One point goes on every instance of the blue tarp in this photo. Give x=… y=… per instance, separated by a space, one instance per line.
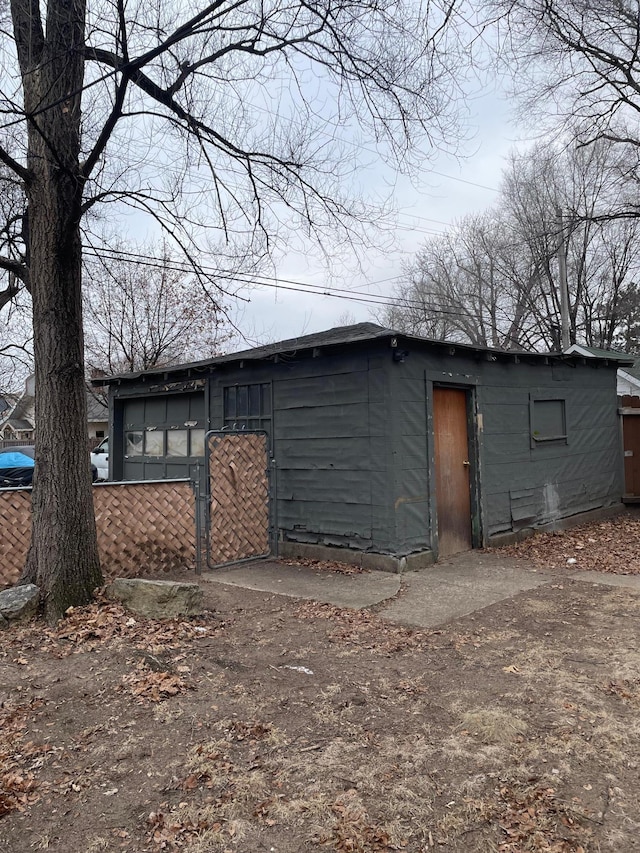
x=15 y=459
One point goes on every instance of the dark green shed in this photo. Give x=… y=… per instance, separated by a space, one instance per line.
x=392 y=446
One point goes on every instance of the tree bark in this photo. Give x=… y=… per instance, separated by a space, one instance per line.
x=63 y=558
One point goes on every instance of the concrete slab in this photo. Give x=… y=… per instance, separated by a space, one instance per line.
x=449 y=589
x=627 y=581
x=458 y=587
x=454 y=587
x=357 y=591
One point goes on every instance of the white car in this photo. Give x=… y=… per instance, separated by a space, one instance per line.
x=100 y=458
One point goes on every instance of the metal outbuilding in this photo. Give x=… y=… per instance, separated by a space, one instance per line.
x=384 y=448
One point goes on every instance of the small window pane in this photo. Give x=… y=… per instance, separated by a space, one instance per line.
x=133 y=442
x=265 y=392
x=247 y=406
x=197 y=442
x=154 y=443
x=177 y=442
x=254 y=401
x=242 y=403
x=229 y=402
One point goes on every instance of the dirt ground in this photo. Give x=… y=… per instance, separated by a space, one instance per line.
x=276 y=725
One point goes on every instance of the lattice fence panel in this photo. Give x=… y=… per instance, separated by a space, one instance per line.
x=143 y=528
x=239 y=511
x=15 y=532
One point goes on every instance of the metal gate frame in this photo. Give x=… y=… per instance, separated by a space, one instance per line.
x=261 y=478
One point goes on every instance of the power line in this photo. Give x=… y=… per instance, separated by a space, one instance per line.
x=138 y=258
x=185 y=267
x=291 y=285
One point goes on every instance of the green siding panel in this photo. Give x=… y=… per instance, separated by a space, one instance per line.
x=351 y=439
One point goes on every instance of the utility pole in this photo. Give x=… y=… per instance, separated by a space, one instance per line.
x=564 y=286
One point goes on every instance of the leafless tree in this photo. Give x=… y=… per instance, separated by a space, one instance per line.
x=146 y=312
x=578 y=64
x=471 y=285
x=16 y=344
x=494 y=280
x=15 y=364
x=448 y=294
x=223 y=114
x=627 y=336
x=558 y=198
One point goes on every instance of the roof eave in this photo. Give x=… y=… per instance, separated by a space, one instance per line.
x=314 y=343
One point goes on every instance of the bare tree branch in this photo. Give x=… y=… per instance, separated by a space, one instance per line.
x=12 y=164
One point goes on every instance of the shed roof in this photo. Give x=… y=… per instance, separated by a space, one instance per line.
x=342 y=336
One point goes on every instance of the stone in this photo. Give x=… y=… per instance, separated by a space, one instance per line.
x=19 y=602
x=157 y=599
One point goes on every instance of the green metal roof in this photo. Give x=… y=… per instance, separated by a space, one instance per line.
x=608 y=353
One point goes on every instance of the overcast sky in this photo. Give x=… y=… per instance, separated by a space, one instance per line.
x=448 y=189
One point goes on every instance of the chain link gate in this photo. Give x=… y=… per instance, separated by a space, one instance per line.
x=236 y=501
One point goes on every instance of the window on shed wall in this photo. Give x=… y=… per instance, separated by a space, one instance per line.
x=196 y=442
x=154 y=443
x=177 y=442
x=247 y=406
x=548 y=421
x=173 y=443
x=183 y=442
x=133 y=443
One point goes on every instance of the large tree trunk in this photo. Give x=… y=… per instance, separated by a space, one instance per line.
x=63 y=558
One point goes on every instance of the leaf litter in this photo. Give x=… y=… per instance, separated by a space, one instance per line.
x=610 y=546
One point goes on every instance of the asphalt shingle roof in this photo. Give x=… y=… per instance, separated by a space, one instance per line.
x=341 y=335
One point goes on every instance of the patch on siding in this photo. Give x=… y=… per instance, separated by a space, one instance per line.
x=551 y=502
x=539 y=505
x=525 y=507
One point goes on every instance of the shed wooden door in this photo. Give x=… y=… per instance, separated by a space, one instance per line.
x=453 y=495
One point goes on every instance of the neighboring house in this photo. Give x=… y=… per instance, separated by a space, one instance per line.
x=385 y=443
x=17 y=415
x=17 y=422
x=629 y=380
x=7 y=402
x=97 y=417
x=628 y=375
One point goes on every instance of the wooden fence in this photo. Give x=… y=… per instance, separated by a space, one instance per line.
x=8 y=443
x=143 y=528
x=630 y=411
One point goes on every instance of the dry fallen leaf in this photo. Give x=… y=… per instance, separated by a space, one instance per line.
x=611 y=547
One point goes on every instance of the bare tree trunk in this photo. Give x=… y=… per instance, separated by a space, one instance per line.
x=63 y=558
